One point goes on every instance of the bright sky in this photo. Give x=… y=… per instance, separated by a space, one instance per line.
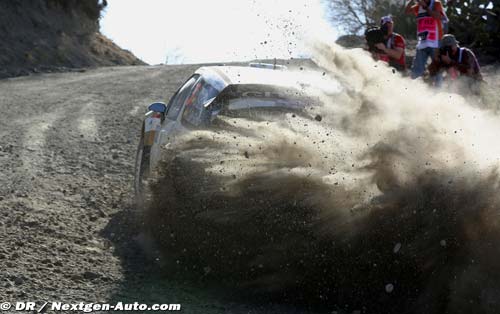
x=196 y=31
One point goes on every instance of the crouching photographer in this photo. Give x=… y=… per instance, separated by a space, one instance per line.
x=455 y=60
x=385 y=45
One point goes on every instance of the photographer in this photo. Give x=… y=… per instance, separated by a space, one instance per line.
x=429 y=15
x=393 y=50
x=388 y=46
x=455 y=60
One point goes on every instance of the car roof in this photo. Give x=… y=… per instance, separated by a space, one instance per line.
x=222 y=76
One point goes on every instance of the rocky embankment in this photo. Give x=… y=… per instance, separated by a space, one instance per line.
x=55 y=35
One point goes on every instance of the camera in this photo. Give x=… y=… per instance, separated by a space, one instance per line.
x=445 y=51
x=375 y=35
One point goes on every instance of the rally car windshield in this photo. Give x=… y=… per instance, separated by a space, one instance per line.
x=260 y=100
x=263 y=109
x=254 y=103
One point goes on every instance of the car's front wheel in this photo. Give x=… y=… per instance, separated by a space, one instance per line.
x=141 y=175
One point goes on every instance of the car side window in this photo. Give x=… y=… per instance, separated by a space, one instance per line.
x=180 y=97
x=194 y=105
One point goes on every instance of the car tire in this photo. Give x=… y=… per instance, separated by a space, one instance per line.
x=141 y=175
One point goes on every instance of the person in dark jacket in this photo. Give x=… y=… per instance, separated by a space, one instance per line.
x=455 y=60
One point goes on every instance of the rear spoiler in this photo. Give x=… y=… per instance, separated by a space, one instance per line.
x=267 y=66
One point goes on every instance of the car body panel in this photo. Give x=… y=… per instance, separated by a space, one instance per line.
x=152 y=124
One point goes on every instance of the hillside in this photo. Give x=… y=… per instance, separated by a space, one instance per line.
x=55 y=35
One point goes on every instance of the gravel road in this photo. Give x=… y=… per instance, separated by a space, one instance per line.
x=67 y=150
x=67 y=232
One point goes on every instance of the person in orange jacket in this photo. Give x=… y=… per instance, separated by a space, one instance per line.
x=429 y=16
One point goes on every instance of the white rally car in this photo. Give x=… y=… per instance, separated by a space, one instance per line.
x=209 y=92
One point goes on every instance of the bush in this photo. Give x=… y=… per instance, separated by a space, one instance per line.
x=476 y=24
x=91 y=8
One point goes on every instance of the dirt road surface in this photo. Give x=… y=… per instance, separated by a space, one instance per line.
x=67 y=150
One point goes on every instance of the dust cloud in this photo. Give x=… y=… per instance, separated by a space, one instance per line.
x=387 y=204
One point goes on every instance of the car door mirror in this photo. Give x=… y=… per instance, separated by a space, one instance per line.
x=158 y=107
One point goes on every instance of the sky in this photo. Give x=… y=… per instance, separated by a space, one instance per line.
x=198 y=31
